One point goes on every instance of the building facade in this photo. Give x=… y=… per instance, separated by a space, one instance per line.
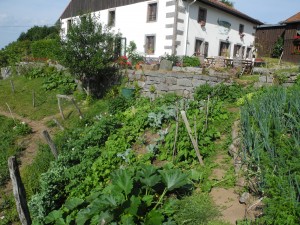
x=159 y=27
x=288 y=30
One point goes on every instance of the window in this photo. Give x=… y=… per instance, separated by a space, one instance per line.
x=206 y=49
x=111 y=18
x=224 y=48
x=150 y=44
x=202 y=15
x=152 y=11
x=243 y=51
x=198 y=48
x=241 y=29
x=69 y=24
x=236 y=51
x=248 y=53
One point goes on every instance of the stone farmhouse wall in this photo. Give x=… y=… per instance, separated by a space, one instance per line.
x=183 y=84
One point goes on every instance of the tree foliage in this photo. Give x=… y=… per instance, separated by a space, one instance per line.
x=88 y=49
x=38 y=33
x=227 y=2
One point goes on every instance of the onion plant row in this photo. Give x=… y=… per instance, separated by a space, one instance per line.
x=270 y=125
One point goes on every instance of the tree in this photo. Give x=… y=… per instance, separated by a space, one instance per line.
x=227 y=2
x=38 y=33
x=278 y=47
x=88 y=51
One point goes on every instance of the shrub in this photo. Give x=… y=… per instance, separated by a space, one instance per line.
x=191 y=61
x=48 y=48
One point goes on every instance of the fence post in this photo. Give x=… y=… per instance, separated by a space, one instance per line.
x=19 y=191
x=50 y=143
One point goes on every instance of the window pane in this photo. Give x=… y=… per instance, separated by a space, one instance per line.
x=202 y=15
x=241 y=29
x=111 y=18
x=150 y=44
x=152 y=9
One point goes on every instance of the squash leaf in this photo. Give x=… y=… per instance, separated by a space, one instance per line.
x=147 y=175
x=73 y=202
x=173 y=178
x=154 y=217
x=122 y=180
x=135 y=202
x=53 y=216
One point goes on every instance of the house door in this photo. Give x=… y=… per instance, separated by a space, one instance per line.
x=224 y=48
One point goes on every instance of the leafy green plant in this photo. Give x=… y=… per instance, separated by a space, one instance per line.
x=173 y=58
x=190 y=61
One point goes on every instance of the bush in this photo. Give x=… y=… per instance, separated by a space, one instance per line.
x=190 y=61
x=173 y=58
x=119 y=103
x=48 y=48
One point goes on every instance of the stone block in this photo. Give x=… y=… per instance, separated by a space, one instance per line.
x=171 y=80
x=165 y=65
x=151 y=67
x=184 y=82
x=162 y=87
x=198 y=82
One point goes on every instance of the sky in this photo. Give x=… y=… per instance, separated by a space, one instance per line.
x=17 y=16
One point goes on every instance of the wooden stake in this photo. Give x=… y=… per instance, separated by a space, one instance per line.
x=58 y=124
x=60 y=108
x=78 y=109
x=50 y=143
x=183 y=114
x=33 y=99
x=207 y=110
x=70 y=99
x=176 y=131
x=12 y=86
x=19 y=191
x=12 y=116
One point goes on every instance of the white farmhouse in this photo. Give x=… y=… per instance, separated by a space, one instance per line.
x=181 y=27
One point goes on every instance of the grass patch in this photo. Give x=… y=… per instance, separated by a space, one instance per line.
x=21 y=101
x=196 y=209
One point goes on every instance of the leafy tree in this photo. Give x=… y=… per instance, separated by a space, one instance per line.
x=278 y=48
x=227 y=2
x=38 y=33
x=88 y=51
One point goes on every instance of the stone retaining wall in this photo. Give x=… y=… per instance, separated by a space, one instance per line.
x=183 y=84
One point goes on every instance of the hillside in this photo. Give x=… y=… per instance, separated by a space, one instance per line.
x=135 y=160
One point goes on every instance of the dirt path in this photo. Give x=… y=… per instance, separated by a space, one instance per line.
x=30 y=142
x=226 y=198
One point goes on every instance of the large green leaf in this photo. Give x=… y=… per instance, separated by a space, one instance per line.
x=147 y=175
x=104 y=217
x=53 y=216
x=173 y=178
x=73 y=202
x=127 y=220
x=83 y=216
x=135 y=202
x=148 y=199
x=122 y=179
x=154 y=217
x=112 y=201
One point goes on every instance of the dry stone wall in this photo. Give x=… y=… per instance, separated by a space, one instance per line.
x=183 y=84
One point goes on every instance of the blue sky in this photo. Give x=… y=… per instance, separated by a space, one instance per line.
x=17 y=16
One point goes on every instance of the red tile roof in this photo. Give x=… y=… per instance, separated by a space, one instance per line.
x=294 y=19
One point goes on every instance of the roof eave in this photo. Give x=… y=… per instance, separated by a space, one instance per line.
x=241 y=15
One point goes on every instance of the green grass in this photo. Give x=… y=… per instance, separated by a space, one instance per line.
x=21 y=102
